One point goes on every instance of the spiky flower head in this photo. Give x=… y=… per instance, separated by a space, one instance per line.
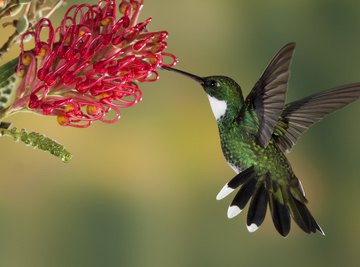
x=89 y=67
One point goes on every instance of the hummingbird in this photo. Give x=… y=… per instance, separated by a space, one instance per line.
x=257 y=132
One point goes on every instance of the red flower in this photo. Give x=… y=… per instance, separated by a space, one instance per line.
x=91 y=64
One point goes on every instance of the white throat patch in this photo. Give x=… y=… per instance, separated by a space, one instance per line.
x=218 y=107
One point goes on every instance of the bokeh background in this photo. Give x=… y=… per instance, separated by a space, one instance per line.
x=141 y=192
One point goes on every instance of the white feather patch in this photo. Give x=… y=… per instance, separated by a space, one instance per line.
x=252 y=227
x=235 y=169
x=321 y=230
x=233 y=211
x=218 y=107
x=302 y=188
x=226 y=190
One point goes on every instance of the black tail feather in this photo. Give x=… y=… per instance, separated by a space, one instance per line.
x=258 y=206
x=243 y=196
x=280 y=216
x=286 y=199
x=304 y=219
x=242 y=177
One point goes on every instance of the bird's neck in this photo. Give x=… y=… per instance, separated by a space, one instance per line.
x=225 y=111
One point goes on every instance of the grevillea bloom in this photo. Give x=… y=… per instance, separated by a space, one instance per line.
x=89 y=67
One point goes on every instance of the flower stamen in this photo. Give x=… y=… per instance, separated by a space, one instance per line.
x=91 y=64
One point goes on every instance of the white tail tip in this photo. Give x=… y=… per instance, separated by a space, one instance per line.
x=224 y=192
x=233 y=211
x=252 y=227
x=321 y=230
x=302 y=188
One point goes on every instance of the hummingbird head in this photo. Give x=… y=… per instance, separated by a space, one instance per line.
x=223 y=92
x=221 y=87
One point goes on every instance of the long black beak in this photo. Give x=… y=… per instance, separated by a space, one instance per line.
x=187 y=74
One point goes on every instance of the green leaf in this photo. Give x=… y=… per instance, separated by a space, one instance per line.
x=8 y=83
x=38 y=141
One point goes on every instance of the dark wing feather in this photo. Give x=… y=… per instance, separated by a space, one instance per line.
x=299 y=116
x=268 y=95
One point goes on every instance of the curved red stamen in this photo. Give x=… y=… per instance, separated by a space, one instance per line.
x=173 y=58
x=91 y=64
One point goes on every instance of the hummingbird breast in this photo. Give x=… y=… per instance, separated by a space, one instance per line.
x=242 y=151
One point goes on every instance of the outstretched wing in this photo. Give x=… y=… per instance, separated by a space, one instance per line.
x=267 y=97
x=298 y=116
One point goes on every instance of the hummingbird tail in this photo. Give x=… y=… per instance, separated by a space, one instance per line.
x=294 y=198
x=283 y=200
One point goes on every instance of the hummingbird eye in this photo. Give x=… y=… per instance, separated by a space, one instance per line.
x=214 y=84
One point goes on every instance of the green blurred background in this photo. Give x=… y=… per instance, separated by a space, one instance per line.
x=141 y=192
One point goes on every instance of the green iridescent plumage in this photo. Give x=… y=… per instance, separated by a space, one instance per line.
x=256 y=132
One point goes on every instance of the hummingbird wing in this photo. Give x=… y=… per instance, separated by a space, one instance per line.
x=300 y=115
x=267 y=97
